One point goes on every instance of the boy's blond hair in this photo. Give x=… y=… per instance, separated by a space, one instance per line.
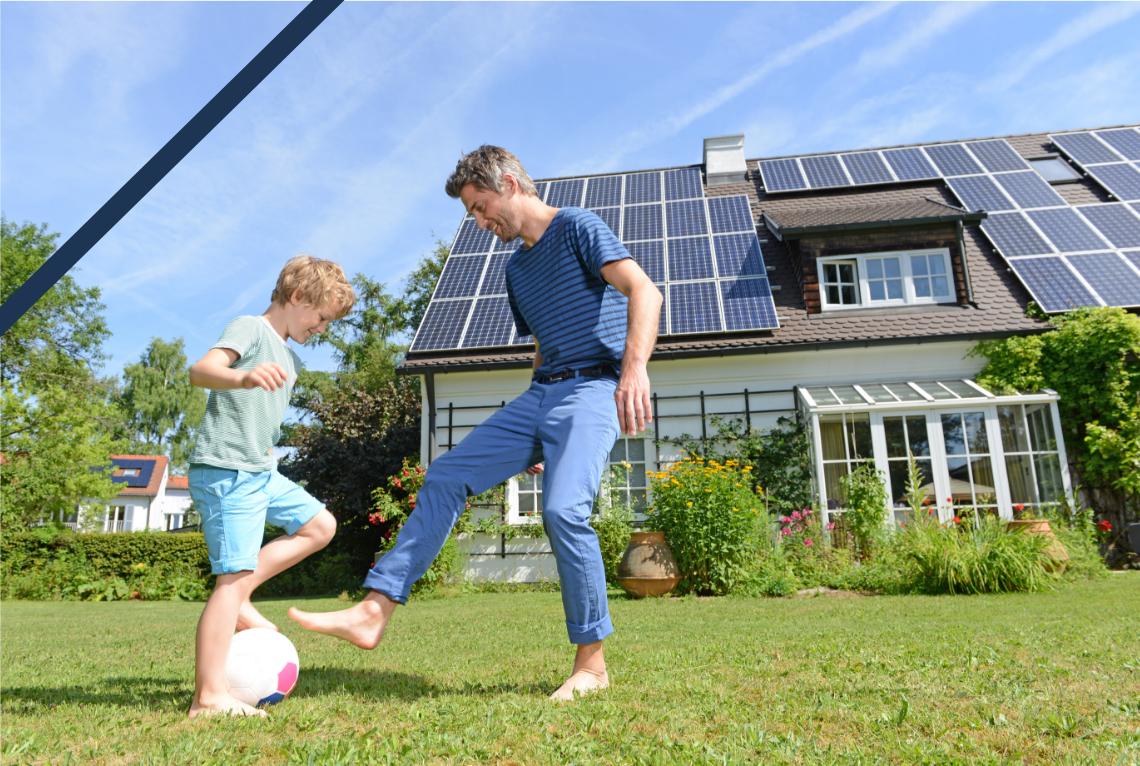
x=322 y=283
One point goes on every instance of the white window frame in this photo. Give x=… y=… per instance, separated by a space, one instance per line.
x=514 y=509
x=864 y=292
x=647 y=445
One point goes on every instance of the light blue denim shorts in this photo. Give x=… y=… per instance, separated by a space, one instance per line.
x=235 y=506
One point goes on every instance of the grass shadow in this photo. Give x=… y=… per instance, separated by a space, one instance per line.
x=394 y=685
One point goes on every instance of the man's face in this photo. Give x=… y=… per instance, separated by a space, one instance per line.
x=492 y=210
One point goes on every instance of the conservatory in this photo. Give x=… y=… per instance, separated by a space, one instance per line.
x=977 y=452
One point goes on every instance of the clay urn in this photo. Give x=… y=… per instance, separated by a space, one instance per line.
x=1058 y=556
x=647 y=568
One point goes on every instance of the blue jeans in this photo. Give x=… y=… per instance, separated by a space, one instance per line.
x=570 y=425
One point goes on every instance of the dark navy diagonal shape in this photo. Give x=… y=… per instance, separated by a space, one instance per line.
x=164 y=160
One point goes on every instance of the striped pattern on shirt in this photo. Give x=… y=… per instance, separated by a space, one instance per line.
x=557 y=293
x=242 y=425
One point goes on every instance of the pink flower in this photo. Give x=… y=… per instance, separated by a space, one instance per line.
x=397 y=483
x=831 y=525
x=799 y=528
x=808 y=541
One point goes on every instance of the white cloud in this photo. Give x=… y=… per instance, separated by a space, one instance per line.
x=1071 y=33
x=942 y=19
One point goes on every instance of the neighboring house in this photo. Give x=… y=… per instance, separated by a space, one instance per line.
x=149 y=499
x=844 y=290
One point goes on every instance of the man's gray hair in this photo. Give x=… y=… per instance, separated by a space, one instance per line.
x=484 y=168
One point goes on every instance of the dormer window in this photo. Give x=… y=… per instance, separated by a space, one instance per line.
x=886 y=279
x=130 y=472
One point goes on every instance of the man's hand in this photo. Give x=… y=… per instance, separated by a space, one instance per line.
x=535 y=470
x=267 y=375
x=632 y=397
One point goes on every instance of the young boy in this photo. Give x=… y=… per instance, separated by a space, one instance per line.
x=234 y=481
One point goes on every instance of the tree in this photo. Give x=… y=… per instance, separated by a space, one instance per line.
x=420 y=285
x=161 y=410
x=55 y=418
x=363 y=341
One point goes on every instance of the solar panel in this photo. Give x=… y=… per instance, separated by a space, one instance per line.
x=687 y=218
x=1012 y=234
x=472 y=239
x=1125 y=140
x=540 y=189
x=1110 y=276
x=460 y=276
x=730 y=214
x=996 y=155
x=1067 y=230
x=953 y=160
x=1121 y=179
x=642 y=187
x=1029 y=190
x=491 y=324
x=1135 y=206
x=979 y=193
x=690 y=259
x=694 y=308
x=1133 y=256
x=507 y=247
x=739 y=255
x=495 y=280
x=612 y=218
x=1053 y=286
x=566 y=193
x=145 y=469
x=522 y=340
x=684 y=183
x=782 y=175
x=910 y=164
x=1085 y=148
x=603 y=192
x=748 y=305
x=826 y=171
x=1117 y=223
x=650 y=256
x=642 y=222
x=867 y=168
x=442 y=326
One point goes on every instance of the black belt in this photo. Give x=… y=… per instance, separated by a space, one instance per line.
x=588 y=372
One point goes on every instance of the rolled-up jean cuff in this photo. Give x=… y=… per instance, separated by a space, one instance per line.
x=588 y=634
x=233 y=566
x=382 y=584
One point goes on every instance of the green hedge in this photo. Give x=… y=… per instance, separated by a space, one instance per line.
x=51 y=563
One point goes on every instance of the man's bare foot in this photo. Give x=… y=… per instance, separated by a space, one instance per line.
x=249 y=617
x=362 y=625
x=224 y=705
x=581 y=683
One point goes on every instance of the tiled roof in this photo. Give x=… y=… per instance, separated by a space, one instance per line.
x=999 y=297
x=151 y=489
x=926 y=210
x=177 y=482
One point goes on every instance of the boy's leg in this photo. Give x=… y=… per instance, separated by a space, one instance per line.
x=212 y=648
x=578 y=429
x=503 y=446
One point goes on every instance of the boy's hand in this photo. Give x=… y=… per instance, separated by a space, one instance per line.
x=267 y=375
x=535 y=470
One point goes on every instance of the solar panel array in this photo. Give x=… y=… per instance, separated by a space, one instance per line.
x=145 y=468
x=703 y=254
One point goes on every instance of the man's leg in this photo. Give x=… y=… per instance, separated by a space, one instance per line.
x=578 y=428
x=503 y=446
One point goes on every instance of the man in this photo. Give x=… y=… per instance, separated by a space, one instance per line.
x=593 y=313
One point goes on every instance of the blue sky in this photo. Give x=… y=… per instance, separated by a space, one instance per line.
x=343 y=151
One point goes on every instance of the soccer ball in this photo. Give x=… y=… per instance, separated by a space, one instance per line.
x=262 y=667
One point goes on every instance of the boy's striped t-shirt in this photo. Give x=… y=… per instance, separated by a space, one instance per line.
x=557 y=293
x=242 y=425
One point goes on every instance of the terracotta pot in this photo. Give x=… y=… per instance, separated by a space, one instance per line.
x=647 y=568
x=1056 y=552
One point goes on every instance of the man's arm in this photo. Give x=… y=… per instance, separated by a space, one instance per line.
x=632 y=397
x=213 y=371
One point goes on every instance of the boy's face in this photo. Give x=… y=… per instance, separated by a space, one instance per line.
x=303 y=320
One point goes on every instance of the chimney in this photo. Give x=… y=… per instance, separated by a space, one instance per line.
x=724 y=160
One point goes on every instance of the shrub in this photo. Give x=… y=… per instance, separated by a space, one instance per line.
x=865 y=495
x=982 y=559
x=712 y=520
x=1079 y=534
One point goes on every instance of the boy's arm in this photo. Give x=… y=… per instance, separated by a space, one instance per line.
x=213 y=371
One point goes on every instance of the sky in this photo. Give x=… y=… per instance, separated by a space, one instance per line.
x=343 y=151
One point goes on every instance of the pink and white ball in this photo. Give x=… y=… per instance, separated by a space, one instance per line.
x=262 y=667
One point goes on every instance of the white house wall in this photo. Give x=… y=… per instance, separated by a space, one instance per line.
x=778 y=371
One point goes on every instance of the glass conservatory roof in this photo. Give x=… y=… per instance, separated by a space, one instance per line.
x=906 y=394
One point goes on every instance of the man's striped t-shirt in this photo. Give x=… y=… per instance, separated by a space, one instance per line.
x=242 y=425
x=557 y=293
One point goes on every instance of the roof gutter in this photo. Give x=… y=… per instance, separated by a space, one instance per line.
x=798 y=232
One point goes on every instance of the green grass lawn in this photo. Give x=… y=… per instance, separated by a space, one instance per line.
x=1049 y=678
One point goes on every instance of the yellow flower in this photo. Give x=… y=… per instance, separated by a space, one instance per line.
x=747 y=468
x=738 y=485
x=689 y=504
x=736 y=509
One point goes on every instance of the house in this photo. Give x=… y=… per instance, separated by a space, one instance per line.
x=843 y=289
x=149 y=498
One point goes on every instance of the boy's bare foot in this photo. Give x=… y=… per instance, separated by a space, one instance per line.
x=249 y=617
x=224 y=705
x=362 y=625
x=581 y=683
